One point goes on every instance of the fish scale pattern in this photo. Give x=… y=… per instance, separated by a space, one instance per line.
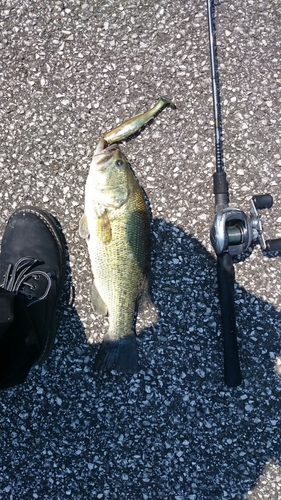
x=120 y=266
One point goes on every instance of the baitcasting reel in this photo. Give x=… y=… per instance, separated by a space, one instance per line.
x=233 y=231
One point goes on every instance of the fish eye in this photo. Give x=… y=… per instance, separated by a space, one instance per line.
x=119 y=163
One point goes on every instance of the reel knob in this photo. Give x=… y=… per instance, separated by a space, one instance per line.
x=262 y=201
x=273 y=245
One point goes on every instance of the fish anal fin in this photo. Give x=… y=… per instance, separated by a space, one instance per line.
x=145 y=301
x=145 y=298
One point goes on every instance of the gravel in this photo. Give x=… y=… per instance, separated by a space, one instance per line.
x=70 y=71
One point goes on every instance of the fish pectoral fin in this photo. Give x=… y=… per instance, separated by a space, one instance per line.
x=104 y=231
x=83 y=227
x=97 y=303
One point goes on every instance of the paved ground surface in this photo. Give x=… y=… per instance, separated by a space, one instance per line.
x=70 y=71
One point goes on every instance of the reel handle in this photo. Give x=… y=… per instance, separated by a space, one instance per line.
x=259 y=202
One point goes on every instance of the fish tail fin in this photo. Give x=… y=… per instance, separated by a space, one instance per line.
x=120 y=355
x=166 y=101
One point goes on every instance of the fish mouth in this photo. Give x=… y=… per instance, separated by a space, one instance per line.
x=104 y=157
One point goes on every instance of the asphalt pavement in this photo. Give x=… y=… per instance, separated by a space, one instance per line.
x=69 y=72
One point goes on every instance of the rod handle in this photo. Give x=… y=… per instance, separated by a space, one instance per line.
x=225 y=276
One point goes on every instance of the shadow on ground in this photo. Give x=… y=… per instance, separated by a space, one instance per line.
x=172 y=431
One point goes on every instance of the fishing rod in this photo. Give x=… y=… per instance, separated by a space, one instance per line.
x=233 y=231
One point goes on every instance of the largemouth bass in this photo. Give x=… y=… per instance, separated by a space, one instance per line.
x=116 y=225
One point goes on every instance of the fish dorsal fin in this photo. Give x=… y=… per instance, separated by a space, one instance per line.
x=104 y=231
x=83 y=227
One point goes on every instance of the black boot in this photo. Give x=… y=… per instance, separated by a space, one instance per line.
x=32 y=271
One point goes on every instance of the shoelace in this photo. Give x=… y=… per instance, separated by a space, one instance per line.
x=16 y=277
